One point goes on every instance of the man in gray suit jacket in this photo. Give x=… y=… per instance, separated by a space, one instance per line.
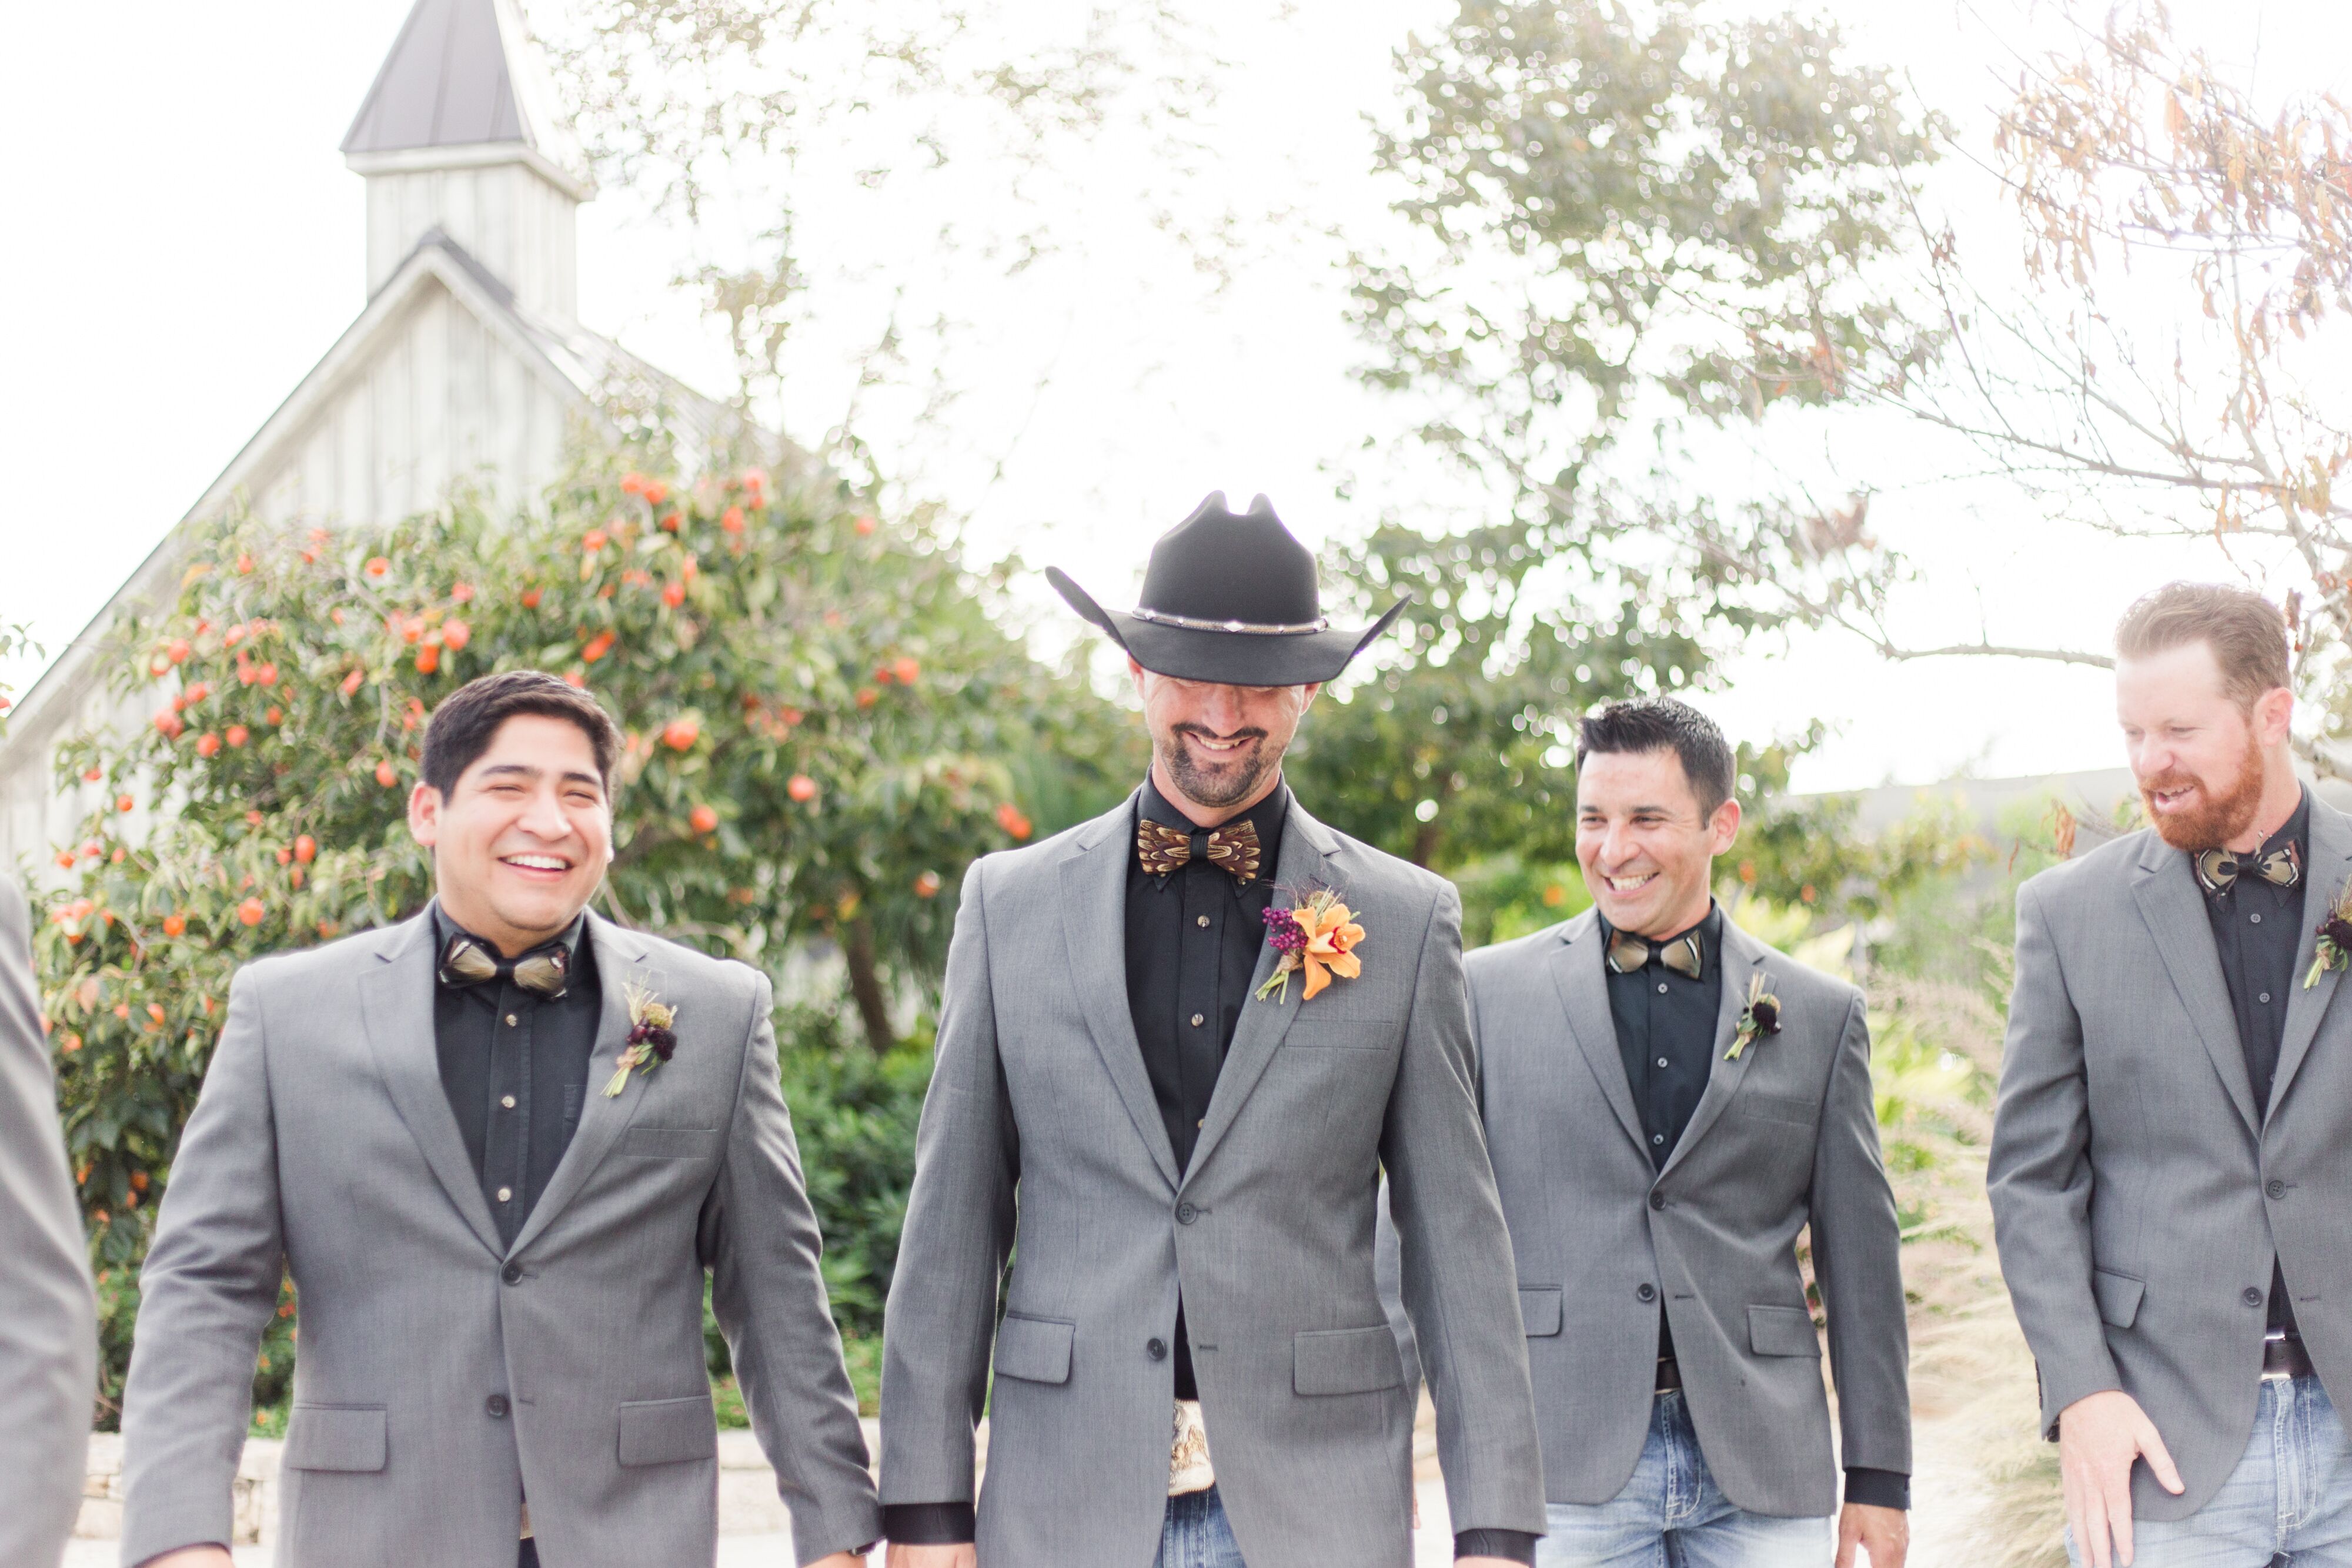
x=48 y=1322
x=2172 y=1148
x=1668 y=1101
x=1179 y=1110
x=500 y=1146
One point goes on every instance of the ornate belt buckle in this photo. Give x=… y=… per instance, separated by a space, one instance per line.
x=1189 y=1469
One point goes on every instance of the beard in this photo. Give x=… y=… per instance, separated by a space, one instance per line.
x=1222 y=784
x=2220 y=816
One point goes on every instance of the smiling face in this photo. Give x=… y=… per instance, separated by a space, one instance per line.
x=521 y=840
x=1217 y=750
x=2212 y=773
x=1646 y=846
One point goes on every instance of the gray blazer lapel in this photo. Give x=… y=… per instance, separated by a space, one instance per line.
x=1306 y=848
x=618 y=954
x=2170 y=902
x=1577 y=973
x=397 y=1009
x=1742 y=956
x=1094 y=929
x=2330 y=861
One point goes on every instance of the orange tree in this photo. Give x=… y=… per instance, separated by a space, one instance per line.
x=823 y=726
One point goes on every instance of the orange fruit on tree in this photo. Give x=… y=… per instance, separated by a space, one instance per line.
x=429 y=659
x=704 y=819
x=800 y=788
x=906 y=671
x=927 y=886
x=679 y=734
x=455 y=634
x=124 y=802
x=306 y=849
x=251 y=911
x=385 y=776
x=237 y=735
x=174 y=925
x=208 y=745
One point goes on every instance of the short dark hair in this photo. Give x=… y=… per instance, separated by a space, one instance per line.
x=462 y=727
x=1661 y=724
x=2246 y=632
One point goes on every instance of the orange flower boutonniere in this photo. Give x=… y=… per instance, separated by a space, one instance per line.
x=1318 y=935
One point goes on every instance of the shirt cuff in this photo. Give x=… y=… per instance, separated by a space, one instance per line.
x=926 y=1523
x=1877 y=1489
x=1513 y=1545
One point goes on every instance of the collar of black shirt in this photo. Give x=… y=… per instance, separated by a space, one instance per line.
x=1268 y=816
x=1709 y=927
x=573 y=939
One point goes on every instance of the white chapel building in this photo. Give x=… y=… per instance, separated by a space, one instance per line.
x=468 y=364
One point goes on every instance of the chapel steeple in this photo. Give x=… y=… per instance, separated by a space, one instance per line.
x=462 y=132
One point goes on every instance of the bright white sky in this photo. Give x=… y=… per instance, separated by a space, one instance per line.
x=187 y=244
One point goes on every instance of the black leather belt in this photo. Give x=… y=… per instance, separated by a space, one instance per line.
x=1670 y=1376
x=2284 y=1356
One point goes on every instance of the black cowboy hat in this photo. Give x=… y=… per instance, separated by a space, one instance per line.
x=1230 y=600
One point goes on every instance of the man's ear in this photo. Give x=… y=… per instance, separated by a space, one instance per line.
x=424 y=815
x=2275 y=715
x=1723 y=826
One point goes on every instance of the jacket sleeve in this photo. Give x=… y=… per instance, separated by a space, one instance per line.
x=49 y=1336
x=206 y=1291
x=942 y=1316
x=1454 y=1255
x=1858 y=1263
x=2040 y=1177
x=759 y=1238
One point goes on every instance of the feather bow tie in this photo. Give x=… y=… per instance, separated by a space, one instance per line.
x=2220 y=869
x=1161 y=849
x=544 y=972
x=1628 y=953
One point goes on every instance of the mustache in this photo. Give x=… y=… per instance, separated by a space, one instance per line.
x=2170 y=780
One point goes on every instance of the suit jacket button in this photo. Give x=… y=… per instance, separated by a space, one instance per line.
x=1156 y=1348
x=1645 y=1291
x=497 y=1406
x=1186 y=1214
x=2276 y=1189
x=511 y=1273
x=1658 y=1200
x=2251 y=1296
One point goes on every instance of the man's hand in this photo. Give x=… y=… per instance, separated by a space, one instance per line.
x=1884 y=1534
x=2099 y=1436
x=964 y=1555
x=193 y=1557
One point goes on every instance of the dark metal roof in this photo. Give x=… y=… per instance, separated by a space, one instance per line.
x=447 y=82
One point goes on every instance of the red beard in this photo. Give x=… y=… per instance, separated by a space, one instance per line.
x=2218 y=816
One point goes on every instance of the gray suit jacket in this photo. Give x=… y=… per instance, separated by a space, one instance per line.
x=441 y=1377
x=2137 y=1198
x=1040 y=1128
x=1785 y=1136
x=49 y=1322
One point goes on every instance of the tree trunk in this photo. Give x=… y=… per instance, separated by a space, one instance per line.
x=866 y=985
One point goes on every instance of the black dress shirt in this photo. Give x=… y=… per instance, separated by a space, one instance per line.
x=515 y=1068
x=1665 y=1037
x=2257 y=927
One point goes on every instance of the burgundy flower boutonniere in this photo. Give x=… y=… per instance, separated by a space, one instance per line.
x=2334 y=949
x=1761 y=1015
x=652 y=1035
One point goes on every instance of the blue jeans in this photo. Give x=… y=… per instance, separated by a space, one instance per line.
x=1195 y=1534
x=2290 y=1497
x=1672 y=1515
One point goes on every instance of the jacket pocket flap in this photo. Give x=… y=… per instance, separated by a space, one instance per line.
x=1347 y=1361
x=668 y=1431
x=669 y=1143
x=2119 y=1296
x=1782 y=1330
x=1036 y=1349
x=1539 y=1310
x=335 y=1438
x=1785 y=1108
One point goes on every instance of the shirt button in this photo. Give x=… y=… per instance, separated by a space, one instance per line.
x=2276 y=1189
x=1200 y=920
x=510 y=1020
x=2262 y=997
x=1661 y=987
x=1198 y=1019
x=1658 y=1200
x=1661 y=1061
x=1186 y=1214
x=511 y=1273
x=497 y=1406
x=2251 y=1296
x=1657 y=1137
x=506 y=1194
x=1156 y=1348
x=2255 y=918
x=1645 y=1291
x=507 y=1100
